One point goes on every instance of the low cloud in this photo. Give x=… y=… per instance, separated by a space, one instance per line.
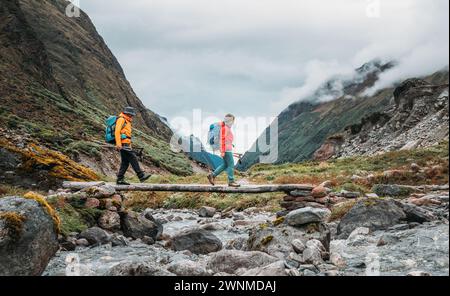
x=255 y=57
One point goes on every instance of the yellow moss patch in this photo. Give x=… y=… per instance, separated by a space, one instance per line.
x=266 y=240
x=278 y=221
x=14 y=222
x=58 y=165
x=263 y=226
x=339 y=210
x=41 y=200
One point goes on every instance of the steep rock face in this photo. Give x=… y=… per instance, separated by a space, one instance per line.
x=304 y=126
x=59 y=82
x=418 y=118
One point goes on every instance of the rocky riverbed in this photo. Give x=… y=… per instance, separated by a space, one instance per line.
x=373 y=236
x=400 y=250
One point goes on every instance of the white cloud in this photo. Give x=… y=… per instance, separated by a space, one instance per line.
x=240 y=56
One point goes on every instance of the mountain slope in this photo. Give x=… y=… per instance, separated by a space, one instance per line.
x=59 y=82
x=305 y=126
x=419 y=118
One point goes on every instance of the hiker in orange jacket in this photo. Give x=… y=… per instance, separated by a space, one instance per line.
x=226 y=151
x=123 y=144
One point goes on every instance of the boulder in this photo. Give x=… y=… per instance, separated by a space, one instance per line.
x=319 y=191
x=314 y=252
x=206 y=212
x=28 y=237
x=388 y=190
x=278 y=241
x=198 y=241
x=103 y=191
x=138 y=226
x=137 y=268
x=300 y=193
x=375 y=214
x=230 y=261
x=416 y=214
x=187 y=268
x=118 y=240
x=238 y=243
x=92 y=203
x=109 y=220
x=95 y=236
x=298 y=246
x=307 y=215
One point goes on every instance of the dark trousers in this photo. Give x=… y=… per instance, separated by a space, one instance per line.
x=128 y=157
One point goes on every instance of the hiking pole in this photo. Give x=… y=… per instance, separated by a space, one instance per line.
x=139 y=152
x=239 y=156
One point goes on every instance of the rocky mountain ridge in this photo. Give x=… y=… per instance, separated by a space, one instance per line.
x=59 y=81
x=418 y=117
x=306 y=126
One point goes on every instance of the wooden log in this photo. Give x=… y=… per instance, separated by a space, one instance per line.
x=192 y=187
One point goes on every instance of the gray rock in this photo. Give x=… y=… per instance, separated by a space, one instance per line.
x=103 y=191
x=307 y=215
x=308 y=269
x=300 y=193
x=277 y=241
x=308 y=272
x=148 y=240
x=399 y=227
x=110 y=221
x=137 y=269
x=416 y=214
x=95 y=236
x=387 y=239
x=82 y=242
x=68 y=245
x=118 y=240
x=230 y=261
x=298 y=246
x=188 y=268
x=274 y=269
x=206 y=212
x=374 y=214
x=359 y=237
x=28 y=237
x=385 y=190
x=137 y=226
x=198 y=241
x=313 y=255
x=238 y=243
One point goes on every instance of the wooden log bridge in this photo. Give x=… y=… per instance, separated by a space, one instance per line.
x=192 y=187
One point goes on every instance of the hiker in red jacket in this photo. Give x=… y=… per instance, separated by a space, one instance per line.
x=226 y=151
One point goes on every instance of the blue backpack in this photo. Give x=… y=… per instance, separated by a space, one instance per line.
x=110 y=131
x=214 y=135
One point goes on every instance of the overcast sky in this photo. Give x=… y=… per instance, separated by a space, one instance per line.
x=255 y=57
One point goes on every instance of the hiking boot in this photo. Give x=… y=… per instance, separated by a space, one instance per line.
x=211 y=179
x=144 y=177
x=234 y=184
x=122 y=182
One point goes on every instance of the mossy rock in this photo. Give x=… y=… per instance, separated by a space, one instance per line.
x=392 y=190
x=14 y=223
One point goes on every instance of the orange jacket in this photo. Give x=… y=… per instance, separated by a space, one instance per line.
x=126 y=130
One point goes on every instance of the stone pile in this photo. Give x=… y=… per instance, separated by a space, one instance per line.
x=113 y=223
x=319 y=197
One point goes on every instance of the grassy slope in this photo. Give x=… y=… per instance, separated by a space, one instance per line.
x=434 y=160
x=78 y=128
